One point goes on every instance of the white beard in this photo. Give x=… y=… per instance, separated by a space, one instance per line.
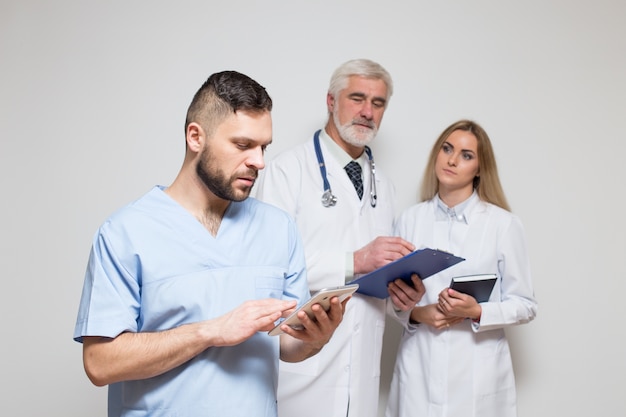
x=353 y=133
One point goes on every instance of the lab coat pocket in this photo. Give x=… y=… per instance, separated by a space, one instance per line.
x=494 y=369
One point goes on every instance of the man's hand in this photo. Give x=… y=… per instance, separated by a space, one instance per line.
x=379 y=252
x=299 y=344
x=250 y=317
x=405 y=296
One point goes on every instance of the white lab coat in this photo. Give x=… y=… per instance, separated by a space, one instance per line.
x=347 y=370
x=466 y=370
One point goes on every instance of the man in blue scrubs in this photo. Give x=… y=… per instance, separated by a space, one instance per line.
x=183 y=284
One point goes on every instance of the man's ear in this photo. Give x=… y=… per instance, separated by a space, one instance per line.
x=195 y=137
x=330 y=102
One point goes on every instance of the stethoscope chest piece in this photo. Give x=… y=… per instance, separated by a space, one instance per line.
x=328 y=199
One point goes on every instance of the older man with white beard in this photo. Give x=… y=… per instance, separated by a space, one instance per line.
x=346 y=230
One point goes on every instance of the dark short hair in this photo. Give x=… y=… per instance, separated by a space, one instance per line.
x=224 y=93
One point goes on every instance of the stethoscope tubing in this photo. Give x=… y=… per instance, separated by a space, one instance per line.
x=328 y=198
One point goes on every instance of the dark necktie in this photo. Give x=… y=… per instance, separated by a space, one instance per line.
x=354 y=172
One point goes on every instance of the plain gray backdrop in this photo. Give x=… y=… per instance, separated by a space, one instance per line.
x=93 y=98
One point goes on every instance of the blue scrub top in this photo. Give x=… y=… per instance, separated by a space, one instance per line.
x=154 y=267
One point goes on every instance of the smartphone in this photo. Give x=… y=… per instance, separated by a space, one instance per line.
x=322 y=297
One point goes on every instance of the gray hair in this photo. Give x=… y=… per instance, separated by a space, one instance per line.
x=361 y=67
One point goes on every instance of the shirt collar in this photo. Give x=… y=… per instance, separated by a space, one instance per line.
x=457 y=213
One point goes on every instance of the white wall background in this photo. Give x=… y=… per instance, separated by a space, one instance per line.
x=92 y=104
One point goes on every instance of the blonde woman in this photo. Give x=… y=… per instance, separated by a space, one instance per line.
x=454 y=359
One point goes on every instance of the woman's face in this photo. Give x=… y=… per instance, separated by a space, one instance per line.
x=457 y=163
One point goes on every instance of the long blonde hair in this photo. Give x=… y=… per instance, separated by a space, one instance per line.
x=487 y=184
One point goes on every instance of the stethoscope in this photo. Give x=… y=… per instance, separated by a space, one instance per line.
x=328 y=198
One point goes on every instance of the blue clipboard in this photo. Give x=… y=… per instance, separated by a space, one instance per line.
x=423 y=262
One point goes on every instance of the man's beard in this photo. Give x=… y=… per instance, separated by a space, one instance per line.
x=217 y=182
x=355 y=134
